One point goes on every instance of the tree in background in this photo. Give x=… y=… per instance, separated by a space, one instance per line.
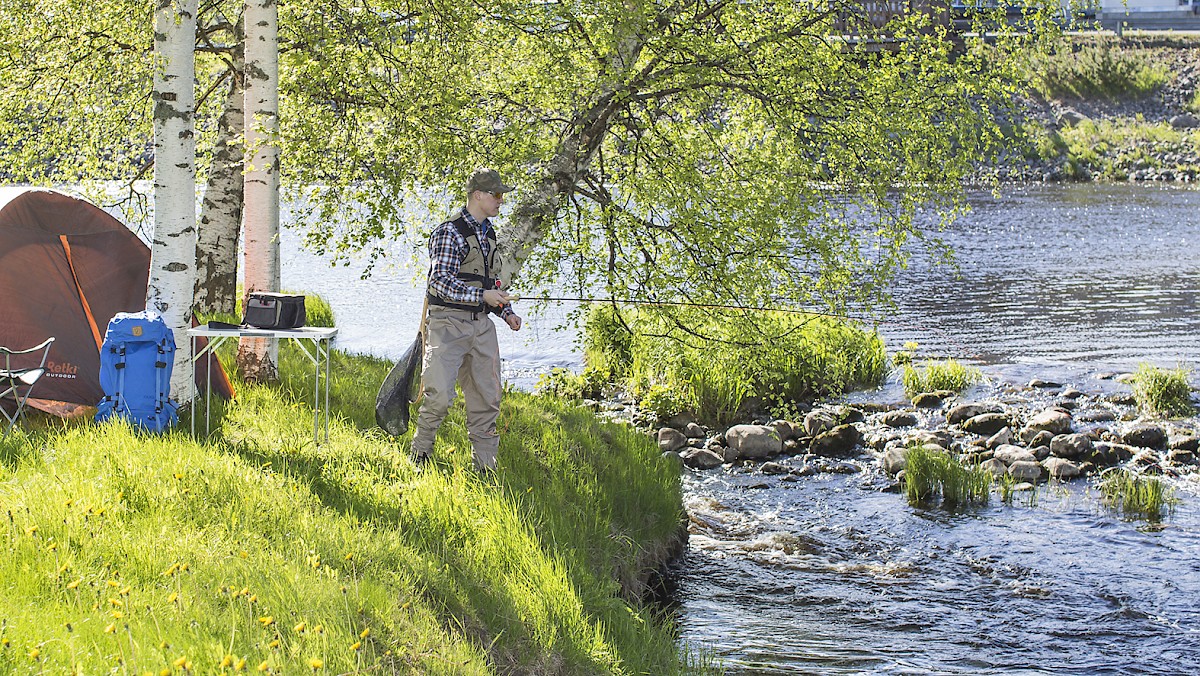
x=172 y=253
x=748 y=152
x=257 y=357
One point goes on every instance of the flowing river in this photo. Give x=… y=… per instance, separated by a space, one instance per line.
x=832 y=575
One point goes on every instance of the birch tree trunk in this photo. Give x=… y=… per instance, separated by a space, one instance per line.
x=258 y=357
x=173 y=251
x=221 y=209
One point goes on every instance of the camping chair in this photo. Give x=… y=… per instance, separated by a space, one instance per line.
x=17 y=378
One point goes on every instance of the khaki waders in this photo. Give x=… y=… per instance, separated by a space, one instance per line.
x=460 y=345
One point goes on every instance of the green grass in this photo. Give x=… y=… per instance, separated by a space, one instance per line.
x=938 y=375
x=724 y=364
x=1162 y=392
x=1097 y=70
x=931 y=475
x=132 y=553
x=1135 y=495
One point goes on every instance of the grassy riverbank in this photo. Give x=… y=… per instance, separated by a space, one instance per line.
x=259 y=551
x=1100 y=108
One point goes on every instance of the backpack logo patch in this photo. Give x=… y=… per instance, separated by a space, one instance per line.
x=137 y=330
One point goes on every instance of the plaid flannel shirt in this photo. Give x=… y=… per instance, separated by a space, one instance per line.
x=447 y=250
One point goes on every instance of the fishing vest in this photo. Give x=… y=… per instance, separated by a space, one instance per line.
x=475 y=270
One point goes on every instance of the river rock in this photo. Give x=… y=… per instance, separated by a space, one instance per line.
x=1096 y=415
x=821 y=420
x=694 y=431
x=1061 y=468
x=1038 y=437
x=671 y=439
x=1052 y=420
x=986 y=423
x=1182 y=457
x=929 y=399
x=1184 y=443
x=898 y=419
x=838 y=442
x=727 y=454
x=786 y=430
x=894 y=459
x=773 y=468
x=1009 y=454
x=673 y=456
x=1038 y=383
x=680 y=421
x=1071 y=393
x=1000 y=438
x=962 y=412
x=1069 y=117
x=996 y=467
x=1120 y=398
x=1185 y=121
x=702 y=459
x=931 y=438
x=1025 y=470
x=1107 y=454
x=1145 y=435
x=753 y=441
x=1070 y=445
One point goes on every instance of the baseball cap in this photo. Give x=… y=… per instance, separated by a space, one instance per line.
x=487 y=180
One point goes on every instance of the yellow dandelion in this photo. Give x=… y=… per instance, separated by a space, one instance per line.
x=253 y=598
x=183 y=567
x=172 y=570
x=35 y=654
x=164 y=672
x=31 y=530
x=4 y=642
x=356 y=645
x=173 y=597
x=315 y=664
x=244 y=555
x=263 y=666
x=244 y=592
x=53 y=546
x=178 y=475
x=111 y=628
x=125 y=591
x=350 y=556
x=299 y=628
x=120 y=495
x=240 y=665
x=117 y=602
x=116 y=614
x=319 y=629
x=227 y=662
x=365 y=633
x=267 y=621
x=273 y=644
x=74 y=583
x=68 y=503
x=113 y=583
x=180 y=662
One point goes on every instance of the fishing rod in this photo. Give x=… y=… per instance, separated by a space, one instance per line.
x=514 y=297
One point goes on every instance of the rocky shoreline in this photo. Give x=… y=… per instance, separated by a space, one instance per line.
x=1043 y=431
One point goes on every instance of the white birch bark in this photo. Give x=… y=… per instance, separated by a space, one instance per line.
x=221 y=208
x=173 y=251
x=258 y=357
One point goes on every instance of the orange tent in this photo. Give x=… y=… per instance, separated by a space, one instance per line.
x=66 y=268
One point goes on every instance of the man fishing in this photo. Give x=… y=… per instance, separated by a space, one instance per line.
x=465 y=286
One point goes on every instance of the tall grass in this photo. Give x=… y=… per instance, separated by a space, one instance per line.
x=1097 y=70
x=1135 y=495
x=1162 y=392
x=933 y=474
x=938 y=375
x=258 y=550
x=725 y=363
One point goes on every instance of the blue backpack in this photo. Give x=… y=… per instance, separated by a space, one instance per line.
x=135 y=371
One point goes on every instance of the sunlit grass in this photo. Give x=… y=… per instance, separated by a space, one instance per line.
x=1162 y=392
x=258 y=551
x=935 y=375
x=1136 y=495
x=932 y=474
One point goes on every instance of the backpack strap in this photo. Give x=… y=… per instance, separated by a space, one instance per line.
x=119 y=395
x=160 y=372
